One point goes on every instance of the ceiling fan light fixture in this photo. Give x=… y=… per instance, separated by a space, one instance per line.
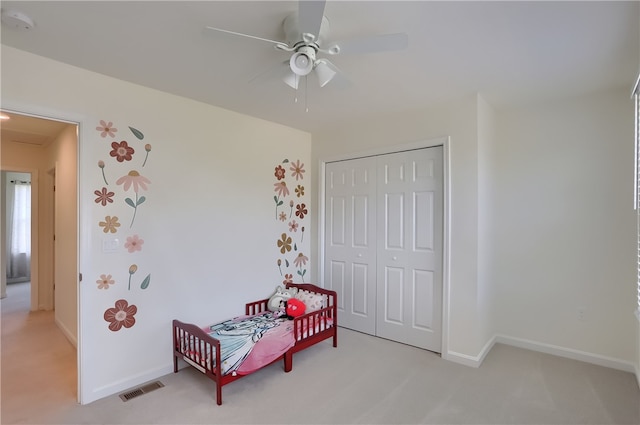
x=302 y=61
x=292 y=80
x=324 y=73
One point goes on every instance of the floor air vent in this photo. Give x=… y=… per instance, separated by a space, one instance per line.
x=141 y=390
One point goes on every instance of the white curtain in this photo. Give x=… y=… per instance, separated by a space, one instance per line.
x=19 y=231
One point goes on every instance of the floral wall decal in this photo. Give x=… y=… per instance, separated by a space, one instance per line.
x=106 y=129
x=134 y=243
x=110 y=224
x=101 y=166
x=120 y=153
x=122 y=315
x=103 y=196
x=138 y=182
x=292 y=219
x=105 y=281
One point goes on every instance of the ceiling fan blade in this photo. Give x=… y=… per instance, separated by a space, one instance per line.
x=371 y=44
x=310 y=14
x=212 y=30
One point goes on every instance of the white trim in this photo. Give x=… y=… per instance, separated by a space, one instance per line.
x=472 y=361
x=568 y=353
x=446 y=219
x=636 y=86
x=66 y=333
x=125 y=384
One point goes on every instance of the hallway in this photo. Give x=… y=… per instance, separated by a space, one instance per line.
x=38 y=362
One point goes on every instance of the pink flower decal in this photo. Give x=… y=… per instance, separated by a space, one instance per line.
x=297 y=169
x=300 y=260
x=134 y=179
x=138 y=182
x=288 y=278
x=281 y=188
x=106 y=129
x=105 y=281
x=293 y=226
x=103 y=196
x=121 y=315
x=134 y=243
x=282 y=216
x=121 y=151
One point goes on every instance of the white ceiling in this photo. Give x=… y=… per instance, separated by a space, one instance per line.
x=509 y=52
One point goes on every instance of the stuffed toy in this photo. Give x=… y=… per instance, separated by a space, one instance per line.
x=277 y=301
x=294 y=308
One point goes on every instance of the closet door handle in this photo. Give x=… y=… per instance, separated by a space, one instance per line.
x=394 y=258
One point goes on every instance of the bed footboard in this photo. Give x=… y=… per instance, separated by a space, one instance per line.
x=316 y=326
x=200 y=350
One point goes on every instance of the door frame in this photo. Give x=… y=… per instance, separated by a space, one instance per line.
x=446 y=219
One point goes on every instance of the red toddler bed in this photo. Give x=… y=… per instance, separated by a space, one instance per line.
x=247 y=343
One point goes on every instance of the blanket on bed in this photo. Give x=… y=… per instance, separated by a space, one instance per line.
x=248 y=343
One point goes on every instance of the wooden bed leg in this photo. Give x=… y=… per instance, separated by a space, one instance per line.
x=288 y=361
x=218 y=393
x=175 y=364
x=335 y=338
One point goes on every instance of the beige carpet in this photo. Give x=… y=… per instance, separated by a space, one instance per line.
x=364 y=380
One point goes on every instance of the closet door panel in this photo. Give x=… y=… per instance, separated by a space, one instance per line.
x=350 y=240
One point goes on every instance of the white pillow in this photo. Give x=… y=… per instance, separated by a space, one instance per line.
x=311 y=300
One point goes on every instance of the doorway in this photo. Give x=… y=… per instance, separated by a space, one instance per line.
x=36 y=145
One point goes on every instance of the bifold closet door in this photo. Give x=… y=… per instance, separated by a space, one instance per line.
x=383 y=244
x=409 y=247
x=350 y=241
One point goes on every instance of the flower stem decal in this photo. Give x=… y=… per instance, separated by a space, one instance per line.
x=121 y=315
x=101 y=165
x=147 y=148
x=132 y=269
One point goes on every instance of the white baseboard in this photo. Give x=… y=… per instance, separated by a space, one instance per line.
x=126 y=384
x=467 y=360
x=67 y=333
x=568 y=353
x=476 y=361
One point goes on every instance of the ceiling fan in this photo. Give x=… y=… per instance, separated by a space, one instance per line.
x=305 y=37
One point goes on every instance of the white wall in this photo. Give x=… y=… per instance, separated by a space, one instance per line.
x=541 y=222
x=61 y=155
x=208 y=224
x=565 y=241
